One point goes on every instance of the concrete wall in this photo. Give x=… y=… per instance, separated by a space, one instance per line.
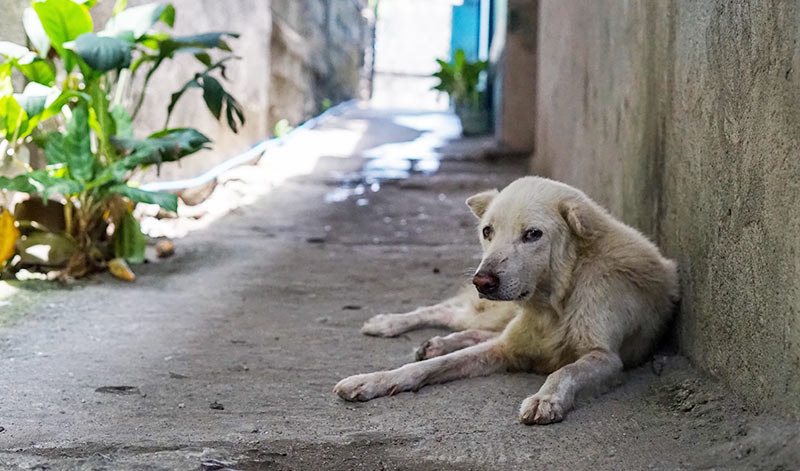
x=684 y=119
x=513 y=59
x=317 y=53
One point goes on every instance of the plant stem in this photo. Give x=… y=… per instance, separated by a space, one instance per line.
x=122 y=82
x=68 y=210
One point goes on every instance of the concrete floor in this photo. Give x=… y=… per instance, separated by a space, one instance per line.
x=230 y=350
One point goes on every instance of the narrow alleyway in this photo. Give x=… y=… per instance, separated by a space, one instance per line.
x=229 y=350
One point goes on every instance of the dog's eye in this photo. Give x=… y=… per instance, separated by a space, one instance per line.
x=487 y=232
x=531 y=235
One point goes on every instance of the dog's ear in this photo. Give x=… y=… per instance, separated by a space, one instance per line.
x=578 y=217
x=478 y=203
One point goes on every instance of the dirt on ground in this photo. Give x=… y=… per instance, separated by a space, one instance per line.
x=224 y=355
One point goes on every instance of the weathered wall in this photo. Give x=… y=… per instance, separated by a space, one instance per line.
x=684 y=119
x=11 y=20
x=317 y=53
x=513 y=67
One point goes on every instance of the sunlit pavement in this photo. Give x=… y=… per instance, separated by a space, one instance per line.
x=226 y=353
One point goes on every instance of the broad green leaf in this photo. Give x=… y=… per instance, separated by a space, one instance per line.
x=19 y=183
x=169 y=46
x=6 y=87
x=103 y=53
x=59 y=248
x=168 y=15
x=184 y=139
x=55 y=101
x=233 y=111
x=204 y=58
x=86 y=3
x=165 y=146
x=74 y=148
x=35 y=68
x=101 y=121
x=35 y=31
x=63 y=21
x=139 y=20
x=460 y=58
x=34 y=98
x=213 y=94
x=119 y=5
x=14 y=51
x=123 y=122
x=13 y=118
x=51 y=185
x=129 y=242
x=39 y=70
x=168 y=201
x=210 y=39
x=54 y=149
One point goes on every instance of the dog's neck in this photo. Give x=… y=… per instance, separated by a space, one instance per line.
x=541 y=299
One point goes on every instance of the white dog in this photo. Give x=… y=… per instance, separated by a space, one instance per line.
x=564 y=289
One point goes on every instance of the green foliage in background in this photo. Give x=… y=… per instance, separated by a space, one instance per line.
x=460 y=79
x=79 y=81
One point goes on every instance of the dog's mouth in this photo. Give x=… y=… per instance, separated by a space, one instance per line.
x=491 y=297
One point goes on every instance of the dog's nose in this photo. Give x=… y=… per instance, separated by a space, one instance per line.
x=485 y=282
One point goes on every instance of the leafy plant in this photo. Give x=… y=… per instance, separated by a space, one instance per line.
x=460 y=79
x=79 y=78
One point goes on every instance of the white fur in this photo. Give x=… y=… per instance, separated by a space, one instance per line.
x=590 y=297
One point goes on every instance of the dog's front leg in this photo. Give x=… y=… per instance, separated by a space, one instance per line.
x=478 y=360
x=557 y=395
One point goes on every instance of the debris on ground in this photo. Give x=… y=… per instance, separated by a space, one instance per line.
x=216 y=406
x=165 y=248
x=121 y=390
x=119 y=268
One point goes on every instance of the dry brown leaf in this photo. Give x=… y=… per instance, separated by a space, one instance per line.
x=119 y=268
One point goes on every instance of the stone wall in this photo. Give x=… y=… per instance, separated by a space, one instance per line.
x=317 y=53
x=513 y=69
x=684 y=119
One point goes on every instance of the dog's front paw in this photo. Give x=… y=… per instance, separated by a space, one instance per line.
x=384 y=325
x=431 y=348
x=364 y=387
x=541 y=410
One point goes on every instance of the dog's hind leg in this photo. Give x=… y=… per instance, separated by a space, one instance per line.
x=449 y=313
x=438 y=346
x=464 y=311
x=478 y=360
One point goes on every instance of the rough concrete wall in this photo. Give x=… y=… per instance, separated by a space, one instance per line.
x=682 y=118
x=514 y=67
x=11 y=20
x=317 y=53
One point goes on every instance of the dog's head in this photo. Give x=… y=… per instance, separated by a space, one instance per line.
x=529 y=233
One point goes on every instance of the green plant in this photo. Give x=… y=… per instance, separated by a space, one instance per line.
x=80 y=79
x=460 y=79
x=282 y=128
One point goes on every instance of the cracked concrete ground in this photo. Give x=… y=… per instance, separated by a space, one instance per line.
x=231 y=348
